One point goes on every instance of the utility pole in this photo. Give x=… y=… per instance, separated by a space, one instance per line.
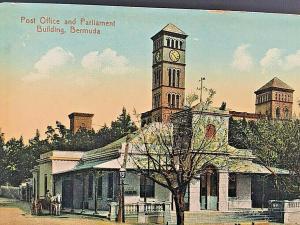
x=201 y=87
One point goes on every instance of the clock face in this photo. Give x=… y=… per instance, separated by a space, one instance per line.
x=174 y=55
x=157 y=57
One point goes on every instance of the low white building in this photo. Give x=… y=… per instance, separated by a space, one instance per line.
x=90 y=180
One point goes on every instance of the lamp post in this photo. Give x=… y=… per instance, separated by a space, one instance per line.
x=121 y=210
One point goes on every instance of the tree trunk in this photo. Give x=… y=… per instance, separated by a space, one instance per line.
x=179 y=204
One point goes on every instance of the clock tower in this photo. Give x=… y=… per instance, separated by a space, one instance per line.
x=168 y=74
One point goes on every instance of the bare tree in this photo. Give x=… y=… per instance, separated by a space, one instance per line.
x=173 y=154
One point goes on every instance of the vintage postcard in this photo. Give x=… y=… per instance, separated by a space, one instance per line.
x=148 y=116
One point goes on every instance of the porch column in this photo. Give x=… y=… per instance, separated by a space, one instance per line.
x=96 y=190
x=72 y=192
x=195 y=195
x=83 y=192
x=223 y=191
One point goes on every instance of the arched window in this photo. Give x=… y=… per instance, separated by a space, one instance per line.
x=172 y=43
x=169 y=100
x=168 y=42
x=286 y=112
x=278 y=113
x=180 y=45
x=276 y=96
x=177 y=101
x=210 y=131
x=173 y=101
x=178 y=77
x=174 y=78
x=176 y=44
x=170 y=77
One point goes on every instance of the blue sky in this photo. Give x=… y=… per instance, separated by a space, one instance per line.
x=237 y=52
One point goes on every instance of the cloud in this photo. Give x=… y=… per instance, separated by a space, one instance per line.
x=292 y=61
x=272 y=57
x=242 y=60
x=274 y=60
x=106 y=62
x=54 y=59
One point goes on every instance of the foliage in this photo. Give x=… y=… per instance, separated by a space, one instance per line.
x=17 y=159
x=276 y=144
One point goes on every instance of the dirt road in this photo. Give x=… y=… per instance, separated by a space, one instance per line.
x=15 y=216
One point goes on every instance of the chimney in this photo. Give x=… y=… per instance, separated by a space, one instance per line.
x=80 y=120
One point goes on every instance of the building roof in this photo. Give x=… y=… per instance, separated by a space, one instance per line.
x=80 y=114
x=173 y=29
x=247 y=166
x=274 y=83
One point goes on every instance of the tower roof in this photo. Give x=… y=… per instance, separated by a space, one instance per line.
x=171 y=28
x=275 y=83
x=80 y=114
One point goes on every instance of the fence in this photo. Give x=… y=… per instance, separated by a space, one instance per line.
x=10 y=192
x=287 y=212
x=143 y=212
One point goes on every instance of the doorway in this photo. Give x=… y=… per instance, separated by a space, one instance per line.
x=67 y=194
x=209 y=189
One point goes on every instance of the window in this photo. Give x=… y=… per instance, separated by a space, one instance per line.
x=147 y=187
x=173 y=101
x=110 y=189
x=90 y=186
x=174 y=77
x=99 y=190
x=170 y=77
x=172 y=43
x=169 y=100
x=178 y=77
x=232 y=185
x=181 y=45
x=177 y=101
x=168 y=42
x=277 y=112
x=45 y=184
x=210 y=131
x=286 y=112
x=176 y=44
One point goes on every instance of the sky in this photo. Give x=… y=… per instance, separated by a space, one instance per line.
x=44 y=76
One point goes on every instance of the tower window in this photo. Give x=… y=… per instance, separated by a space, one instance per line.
x=172 y=43
x=181 y=45
x=173 y=101
x=168 y=42
x=177 y=101
x=178 y=77
x=169 y=100
x=286 y=112
x=276 y=96
x=174 y=78
x=176 y=44
x=170 y=77
x=278 y=113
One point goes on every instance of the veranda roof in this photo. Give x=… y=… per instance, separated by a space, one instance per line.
x=247 y=166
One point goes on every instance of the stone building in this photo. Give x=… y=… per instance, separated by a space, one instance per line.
x=80 y=120
x=168 y=74
x=275 y=99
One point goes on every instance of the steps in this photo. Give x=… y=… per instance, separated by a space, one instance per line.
x=215 y=217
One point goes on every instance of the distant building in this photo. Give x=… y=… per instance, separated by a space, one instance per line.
x=275 y=99
x=80 y=120
x=168 y=74
x=246 y=116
